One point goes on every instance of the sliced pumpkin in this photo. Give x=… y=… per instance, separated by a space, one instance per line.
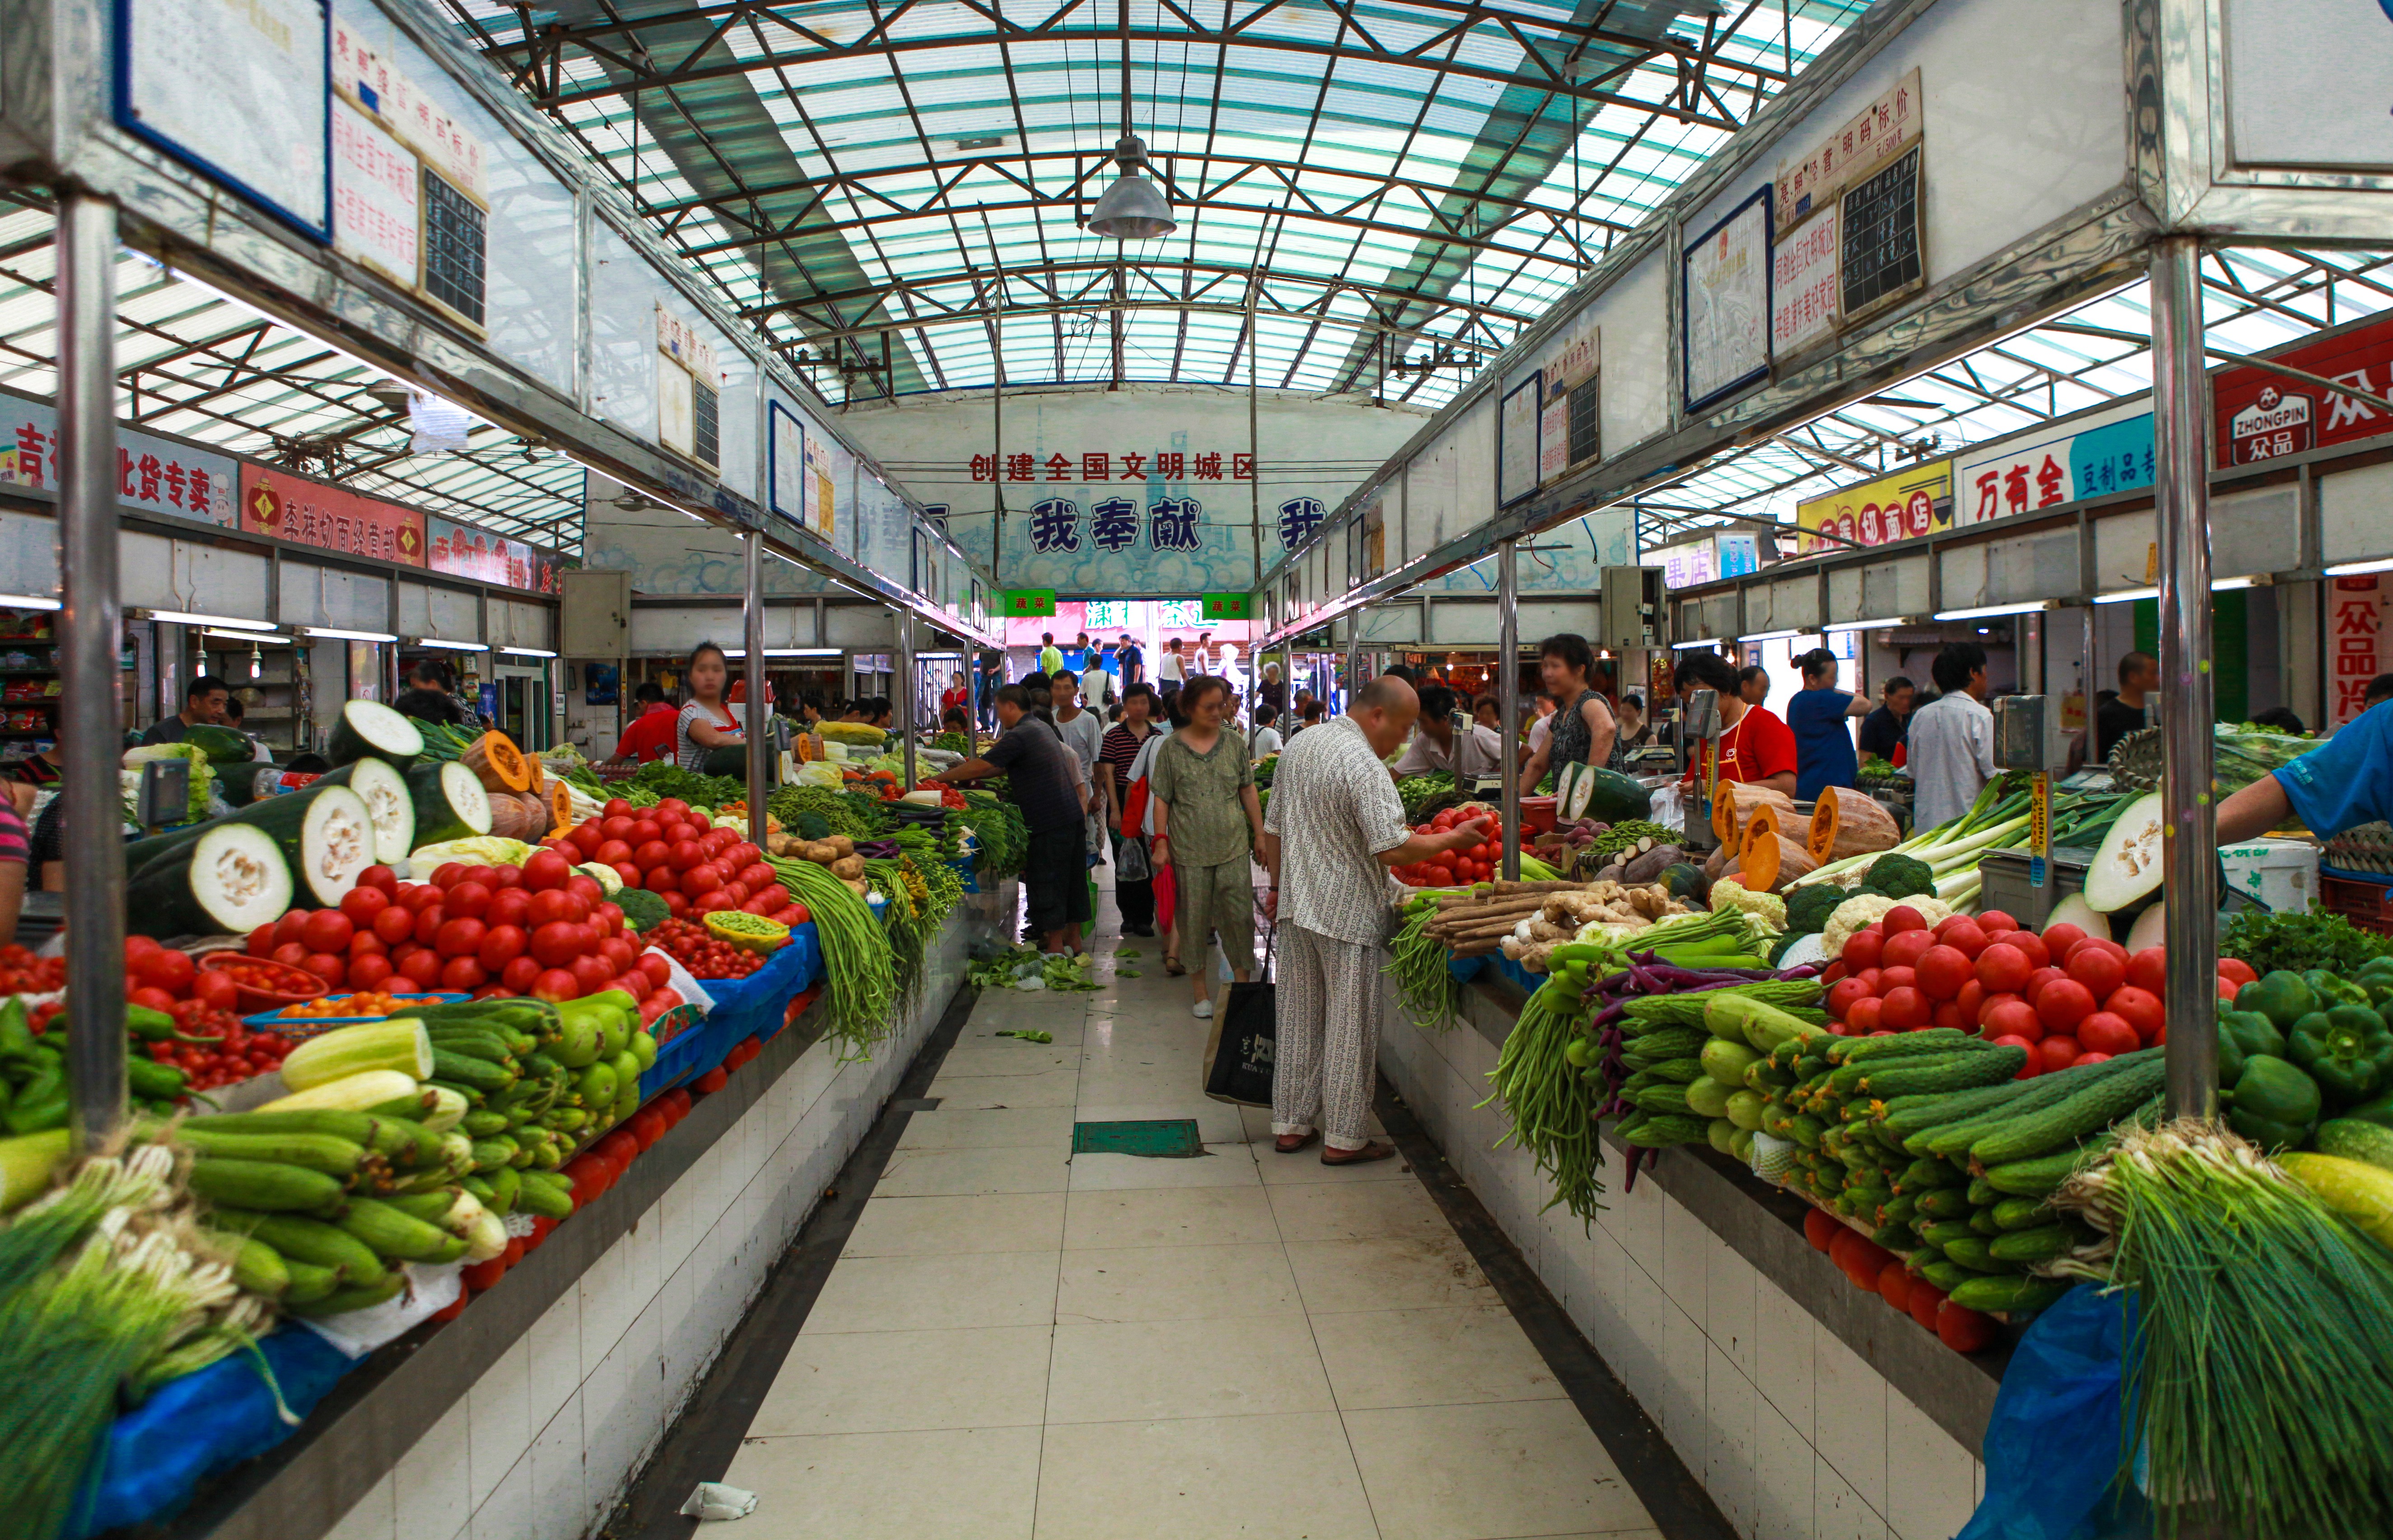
x=1733 y=806
x=1847 y=822
x=560 y=804
x=497 y=764
x=1771 y=860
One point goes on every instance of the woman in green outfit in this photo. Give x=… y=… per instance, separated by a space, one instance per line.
x=1208 y=823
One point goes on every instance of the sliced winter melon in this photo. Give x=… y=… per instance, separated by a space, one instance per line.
x=335 y=843
x=388 y=800
x=2075 y=911
x=450 y=803
x=2150 y=928
x=228 y=881
x=2128 y=864
x=370 y=728
x=1571 y=792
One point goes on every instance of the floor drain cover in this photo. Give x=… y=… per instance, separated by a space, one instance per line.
x=1173 y=1138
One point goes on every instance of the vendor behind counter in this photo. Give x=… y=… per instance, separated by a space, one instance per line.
x=2341 y=784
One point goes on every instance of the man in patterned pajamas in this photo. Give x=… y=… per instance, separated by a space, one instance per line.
x=1333 y=804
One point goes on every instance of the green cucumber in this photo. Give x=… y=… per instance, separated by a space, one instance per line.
x=2005 y=1294
x=1905 y=1116
x=1973 y=1253
x=1983 y=1222
x=2089 y=1111
x=1952 y=1140
x=1927 y=1173
x=260 y=1270
x=2016 y=1214
x=1945 y=1203
x=308 y=1283
x=265 y=1186
x=314 y=1242
x=392 y=1233
x=1956 y=1072
x=1944 y=1232
x=1904 y=1045
x=2043 y=1244
x=1946 y=1276
x=2370 y=1143
x=1981 y=1193
x=342 y=1300
x=460 y=1069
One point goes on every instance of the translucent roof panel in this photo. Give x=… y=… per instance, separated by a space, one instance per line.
x=881 y=189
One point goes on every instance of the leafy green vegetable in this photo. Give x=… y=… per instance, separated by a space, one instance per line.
x=668 y=779
x=840 y=813
x=1415 y=790
x=956 y=743
x=2294 y=940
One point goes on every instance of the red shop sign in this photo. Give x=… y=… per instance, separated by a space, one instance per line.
x=2263 y=416
x=288 y=507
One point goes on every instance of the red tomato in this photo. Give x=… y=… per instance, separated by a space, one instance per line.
x=1904 y=948
x=1874 y=978
x=546 y=907
x=468 y=901
x=361 y=904
x=154 y=999
x=675 y=904
x=586 y=888
x=612 y=852
x=555 y=985
x=646 y=825
x=287 y=928
x=2008 y=1016
x=1966 y=938
x=1905 y=1009
x=369 y=973
x=2060 y=1052
x=2037 y=980
x=633 y=983
x=2108 y=1032
x=684 y=854
x=2236 y=971
x=590 y=973
x=659 y=970
x=459 y=937
x=2099 y=966
x=2004 y=968
x=420 y=963
x=556 y=944
x=705 y=877
x=1892 y=979
x=670 y=807
x=464 y=974
x=2039 y=953
x=171 y=970
x=714 y=841
x=417 y=900
x=1841 y=996
x=367 y=944
x=2061 y=937
x=1963 y=1330
x=710 y=903
x=628 y=874
x=378 y=877
x=428 y=922
x=1949 y=1014
x=1972 y=999
x=651 y=854
x=1902 y=917
x=2093 y=1058
x=1942 y=971
x=610 y=916
x=758 y=876
x=617 y=808
x=215 y=988
x=505 y=879
x=509 y=907
x=620 y=954
x=545 y=868
x=261 y=941
x=519 y=974
x=738 y=893
x=324 y=965
x=1863 y=948
x=290 y=954
x=446 y=875
x=2140 y=1008
x=501 y=945
x=1995 y=921
x=2063 y=1003
x=2149 y=969
x=587 y=838
x=2034 y=1066
x=395 y=924
x=740 y=853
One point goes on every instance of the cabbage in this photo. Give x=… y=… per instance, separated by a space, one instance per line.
x=203 y=778
x=608 y=877
x=488 y=849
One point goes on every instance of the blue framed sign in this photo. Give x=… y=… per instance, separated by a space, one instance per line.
x=1724 y=304
x=785 y=465
x=239 y=90
x=1519 y=424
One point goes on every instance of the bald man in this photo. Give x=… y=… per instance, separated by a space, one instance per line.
x=1332 y=800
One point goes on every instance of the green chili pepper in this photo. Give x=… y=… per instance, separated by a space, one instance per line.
x=148 y=1077
x=41 y=1103
x=17 y=1044
x=155 y=1026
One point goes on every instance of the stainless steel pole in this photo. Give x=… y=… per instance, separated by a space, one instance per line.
x=2189 y=851
x=1508 y=695
x=908 y=689
x=760 y=715
x=91 y=626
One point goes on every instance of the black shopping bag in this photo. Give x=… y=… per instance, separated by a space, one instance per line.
x=1239 y=1053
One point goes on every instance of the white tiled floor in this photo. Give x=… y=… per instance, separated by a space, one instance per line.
x=1018 y=1342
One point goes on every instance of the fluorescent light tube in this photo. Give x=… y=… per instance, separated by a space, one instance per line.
x=1981 y=612
x=187 y=618
x=1874 y=625
x=1700 y=642
x=452 y=647
x=1771 y=636
x=261 y=636
x=529 y=652
x=2355 y=568
x=26 y=601
x=2126 y=596
x=335 y=633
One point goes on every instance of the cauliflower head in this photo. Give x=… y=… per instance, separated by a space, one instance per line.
x=1867 y=908
x=1767 y=907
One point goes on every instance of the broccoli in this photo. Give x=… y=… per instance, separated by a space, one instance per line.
x=642 y=909
x=1899 y=876
x=1807 y=907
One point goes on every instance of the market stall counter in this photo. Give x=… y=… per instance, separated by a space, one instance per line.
x=545 y=1395
x=1799 y=1403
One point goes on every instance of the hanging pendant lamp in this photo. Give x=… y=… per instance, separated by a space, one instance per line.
x=1133 y=208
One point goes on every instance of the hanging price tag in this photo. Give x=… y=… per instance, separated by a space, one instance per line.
x=2039 y=829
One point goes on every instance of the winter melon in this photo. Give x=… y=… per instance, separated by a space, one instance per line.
x=370 y=728
x=2128 y=864
x=2075 y=911
x=387 y=798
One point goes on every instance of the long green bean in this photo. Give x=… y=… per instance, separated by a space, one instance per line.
x=1552 y=1103
x=1425 y=985
x=861 y=963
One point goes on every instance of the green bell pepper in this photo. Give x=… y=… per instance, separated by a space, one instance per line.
x=2334 y=988
x=2252 y=1032
x=2347 y=1048
x=2280 y=995
x=2230 y=1056
x=2272 y=1102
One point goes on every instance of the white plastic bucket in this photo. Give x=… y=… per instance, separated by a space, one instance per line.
x=2281 y=874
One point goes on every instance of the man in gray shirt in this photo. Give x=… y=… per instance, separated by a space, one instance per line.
x=1083 y=732
x=1332 y=800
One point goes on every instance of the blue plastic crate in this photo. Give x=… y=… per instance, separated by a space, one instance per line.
x=1465 y=969
x=743 y=1008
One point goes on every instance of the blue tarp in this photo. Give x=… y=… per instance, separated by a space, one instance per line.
x=2052 y=1445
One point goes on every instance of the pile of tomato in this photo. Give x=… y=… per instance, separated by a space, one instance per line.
x=1479 y=863
x=2065 y=997
x=669 y=851
x=23 y=973
x=705 y=955
x=541 y=929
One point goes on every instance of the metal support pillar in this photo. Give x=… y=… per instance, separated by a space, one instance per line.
x=908 y=687
x=759 y=714
x=91 y=624
x=1508 y=695
x=2190 y=852
x=971 y=692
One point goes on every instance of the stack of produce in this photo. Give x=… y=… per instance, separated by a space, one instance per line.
x=1630 y=851
x=675 y=852
x=33 y=1067
x=1477 y=863
x=1942 y=861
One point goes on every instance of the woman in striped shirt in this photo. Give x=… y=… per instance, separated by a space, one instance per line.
x=1118 y=752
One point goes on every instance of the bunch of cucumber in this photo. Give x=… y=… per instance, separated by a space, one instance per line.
x=1929 y=1139
x=537 y=1080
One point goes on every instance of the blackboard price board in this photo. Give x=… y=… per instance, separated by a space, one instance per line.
x=1882 y=255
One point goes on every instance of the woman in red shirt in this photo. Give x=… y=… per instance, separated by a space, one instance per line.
x=952 y=699
x=1756 y=745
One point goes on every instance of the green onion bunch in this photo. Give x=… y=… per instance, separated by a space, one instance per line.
x=2258 y=1374
x=1552 y=1105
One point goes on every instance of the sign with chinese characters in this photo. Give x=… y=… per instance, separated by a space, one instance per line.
x=681 y=342
x=1902 y=506
x=1805 y=276
x=462 y=551
x=1106 y=466
x=371 y=80
x=237 y=90
x=1229 y=606
x=787 y=492
x=1568 y=427
x=1030 y=603
x=2355 y=648
x=1877 y=134
x=2264 y=416
x=1726 y=317
x=278 y=504
x=155 y=474
x=1880 y=255
x=2108 y=451
x=1694 y=563
x=1298 y=518
x=823 y=512
x=378 y=198
x=1517 y=420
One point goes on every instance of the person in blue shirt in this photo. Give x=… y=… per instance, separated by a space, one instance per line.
x=2341 y=784
x=1818 y=713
